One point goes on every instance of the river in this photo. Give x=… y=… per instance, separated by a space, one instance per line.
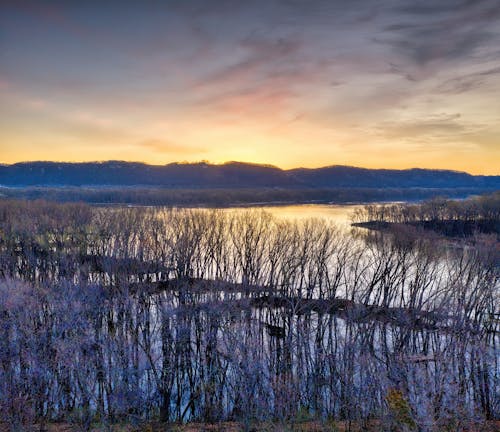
x=335 y=212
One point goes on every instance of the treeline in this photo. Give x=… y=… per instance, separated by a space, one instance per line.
x=132 y=314
x=451 y=217
x=221 y=197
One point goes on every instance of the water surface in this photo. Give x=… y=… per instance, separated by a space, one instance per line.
x=338 y=213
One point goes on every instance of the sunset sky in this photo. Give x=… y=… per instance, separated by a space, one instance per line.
x=390 y=84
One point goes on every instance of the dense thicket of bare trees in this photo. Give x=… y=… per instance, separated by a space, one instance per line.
x=132 y=314
x=451 y=217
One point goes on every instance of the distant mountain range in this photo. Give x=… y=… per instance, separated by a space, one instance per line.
x=231 y=175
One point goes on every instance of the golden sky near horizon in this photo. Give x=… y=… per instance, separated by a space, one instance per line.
x=391 y=85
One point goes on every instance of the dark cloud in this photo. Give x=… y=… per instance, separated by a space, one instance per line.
x=442 y=31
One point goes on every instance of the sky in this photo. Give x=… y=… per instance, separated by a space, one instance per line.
x=377 y=84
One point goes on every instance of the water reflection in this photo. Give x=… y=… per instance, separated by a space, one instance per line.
x=337 y=213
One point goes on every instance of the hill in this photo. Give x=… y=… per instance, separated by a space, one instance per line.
x=346 y=176
x=231 y=175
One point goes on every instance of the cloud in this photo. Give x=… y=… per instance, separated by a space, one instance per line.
x=263 y=60
x=168 y=147
x=444 y=126
x=91 y=132
x=488 y=139
x=427 y=31
x=467 y=82
x=264 y=78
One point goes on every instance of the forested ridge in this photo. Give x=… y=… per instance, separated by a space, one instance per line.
x=137 y=314
x=232 y=175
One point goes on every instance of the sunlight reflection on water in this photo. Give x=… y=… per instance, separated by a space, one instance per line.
x=339 y=214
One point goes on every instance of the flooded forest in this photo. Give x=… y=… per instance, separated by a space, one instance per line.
x=132 y=314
